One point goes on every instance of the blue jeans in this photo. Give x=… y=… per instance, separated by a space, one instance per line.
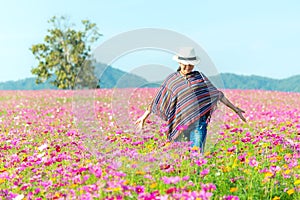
x=196 y=133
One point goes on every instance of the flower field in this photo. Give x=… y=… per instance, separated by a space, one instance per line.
x=53 y=146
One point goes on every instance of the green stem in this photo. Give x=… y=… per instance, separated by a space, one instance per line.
x=271 y=188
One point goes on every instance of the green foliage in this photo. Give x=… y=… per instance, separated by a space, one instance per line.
x=64 y=52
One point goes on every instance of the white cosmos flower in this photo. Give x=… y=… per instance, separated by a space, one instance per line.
x=19 y=197
x=42 y=147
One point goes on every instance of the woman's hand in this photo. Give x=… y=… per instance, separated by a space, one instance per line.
x=140 y=122
x=240 y=113
x=237 y=110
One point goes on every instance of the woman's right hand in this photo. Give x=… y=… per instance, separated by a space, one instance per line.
x=140 y=123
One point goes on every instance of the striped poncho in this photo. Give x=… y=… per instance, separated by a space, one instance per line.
x=182 y=100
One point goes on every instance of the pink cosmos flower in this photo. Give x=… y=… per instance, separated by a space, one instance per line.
x=231 y=149
x=275 y=168
x=204 y=172
x=139 y=189
x=208 y=187
x=242 y=157
x=163 y=128
x=185 y=178
x=283 y=128
x=230 y=197
x=246 y=139
x=37 y=190
x=205 y=195
x=201 y=162
x=181 y=127
x=171 y=190
x=170 y=180
x=253 y=162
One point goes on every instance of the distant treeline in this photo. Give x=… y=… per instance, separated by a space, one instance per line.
x=25 y=84
x=112 y=76
x=233 y=81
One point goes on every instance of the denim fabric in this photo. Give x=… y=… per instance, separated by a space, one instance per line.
x=196 y=133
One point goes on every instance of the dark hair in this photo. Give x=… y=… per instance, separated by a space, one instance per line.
x=179 y=68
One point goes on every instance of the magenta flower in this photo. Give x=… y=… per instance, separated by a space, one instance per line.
x=231 y=149
x=293 y=163
x=148 y=176
x=37 y=190
x=275 y=168
x=24 y=187
x=283 y=128
x=82 y=169
x=170 y=180
x=204 y=172
x=185 y=178
x=205 y=195
x=285 y=176
x=181 y=127
x=163 y=128
x=171 y=190
x=139 y=189
x=246 y=139
x=230 y=197
x=253 y=162
x=77 y=179
x=227 y=126
x=208 y=187
x=264 y=170
x=97 y=171
x=152 y=196
x=242 y=157
x=201 y=162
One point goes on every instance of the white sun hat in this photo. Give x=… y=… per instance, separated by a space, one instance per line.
x=187 y=56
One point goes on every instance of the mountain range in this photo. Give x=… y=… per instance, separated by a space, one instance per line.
x=112 y=76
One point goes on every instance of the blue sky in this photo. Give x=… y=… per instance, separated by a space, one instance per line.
x=242 y=37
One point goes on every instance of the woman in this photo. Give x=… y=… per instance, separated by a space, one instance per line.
x=186 y=100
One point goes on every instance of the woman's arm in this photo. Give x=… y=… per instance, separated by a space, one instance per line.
x=237 y=110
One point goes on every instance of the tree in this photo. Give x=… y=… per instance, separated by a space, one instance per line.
x=64 y=53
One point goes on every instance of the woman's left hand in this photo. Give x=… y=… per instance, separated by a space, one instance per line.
x=240 y=113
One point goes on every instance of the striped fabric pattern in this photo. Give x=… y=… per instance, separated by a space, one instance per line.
x=182 y=100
